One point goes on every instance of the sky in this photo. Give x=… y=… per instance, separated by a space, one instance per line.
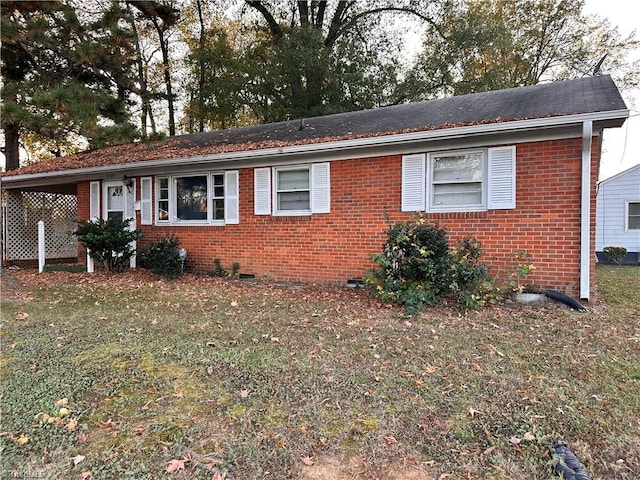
x=621 y=146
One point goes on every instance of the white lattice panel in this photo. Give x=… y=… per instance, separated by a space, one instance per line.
x=25 y=210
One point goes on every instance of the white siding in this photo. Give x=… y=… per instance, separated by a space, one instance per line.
x=613 y=194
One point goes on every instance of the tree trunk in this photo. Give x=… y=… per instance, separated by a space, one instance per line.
x=201 y=80
x=144 y=94
x=12 y=146
x=167 y=79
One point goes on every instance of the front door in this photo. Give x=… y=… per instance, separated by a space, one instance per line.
x=115 y=201
x=118 y=203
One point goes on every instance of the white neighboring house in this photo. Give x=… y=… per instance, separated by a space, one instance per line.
x=618 y=214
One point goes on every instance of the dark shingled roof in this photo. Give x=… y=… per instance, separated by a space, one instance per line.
x=584 y=95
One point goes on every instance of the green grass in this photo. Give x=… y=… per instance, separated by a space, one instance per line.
x=252 y=379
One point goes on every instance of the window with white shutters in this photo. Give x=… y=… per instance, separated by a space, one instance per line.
x=459 y=180
x=292 y=190
x=198 y=198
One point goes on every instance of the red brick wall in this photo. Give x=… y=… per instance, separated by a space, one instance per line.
x=337 y=246
x=84 y=213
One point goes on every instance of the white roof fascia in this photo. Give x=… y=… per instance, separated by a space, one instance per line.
x=352 y=144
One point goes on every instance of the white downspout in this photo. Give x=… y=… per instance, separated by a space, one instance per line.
x=585 y=214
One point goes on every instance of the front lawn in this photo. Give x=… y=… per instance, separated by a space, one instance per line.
x=132 y=377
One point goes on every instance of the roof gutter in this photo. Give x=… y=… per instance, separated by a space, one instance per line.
x=395 y=140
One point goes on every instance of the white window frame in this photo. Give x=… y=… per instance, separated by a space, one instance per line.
x=431 y=205
x=498 y=184
x=265 y=194
x=276 y=192
x=158 y=199
x=172 y=189
x=626 y=216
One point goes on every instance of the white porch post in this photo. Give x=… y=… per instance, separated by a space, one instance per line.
x=41 y=251
x=90 y=266
x=585 y=214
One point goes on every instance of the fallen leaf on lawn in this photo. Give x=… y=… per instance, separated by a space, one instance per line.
x=22 y=316
x=489 y=450
x=175 y=466
x=217 y=476
x=514 y=440
x=77 y=459
x=473 y=412
x=72 y=425
x=244 y=393
x=430 y=369
x=529 y=437
x=86 y=474
x=62 y=402
x=22 y=440
x=108 y=425
x=234 y=304
x=389 y=440
x=308 y=461
x=210 y=370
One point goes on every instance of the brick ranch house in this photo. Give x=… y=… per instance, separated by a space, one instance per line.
x=306 y=199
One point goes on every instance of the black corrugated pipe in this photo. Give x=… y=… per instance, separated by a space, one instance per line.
x=567 y=300
x=568 y=466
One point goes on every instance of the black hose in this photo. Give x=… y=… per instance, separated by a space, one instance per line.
x=567 y=300
x=568 y=466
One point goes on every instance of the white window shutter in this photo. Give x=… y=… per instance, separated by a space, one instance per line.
x=320 y=188
x=94 y=200
x=502 y=178
x=262 y=191
x=231 y=197
x=146 y=210
x=413 y=183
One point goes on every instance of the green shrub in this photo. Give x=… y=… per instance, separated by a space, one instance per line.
x=108 y=241
x=615 y=254
x=162 y=258
x=417 y=267
x=53 y=267
x=218 y=269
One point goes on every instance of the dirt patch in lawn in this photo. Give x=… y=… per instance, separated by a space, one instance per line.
x=11 y=288
x=333 y=468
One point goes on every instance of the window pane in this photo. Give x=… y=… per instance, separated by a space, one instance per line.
x=115 y=198
x=453 y=194
x=634 y=208
x=634 y=223
x=163 y=189
x=293 y=201
x=218 y=209
x=218 y=186
x=463 y=167
x=163 y=210
x=191 y=198
x=293 y=180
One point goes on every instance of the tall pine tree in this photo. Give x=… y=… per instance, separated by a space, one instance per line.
x=67 y=77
